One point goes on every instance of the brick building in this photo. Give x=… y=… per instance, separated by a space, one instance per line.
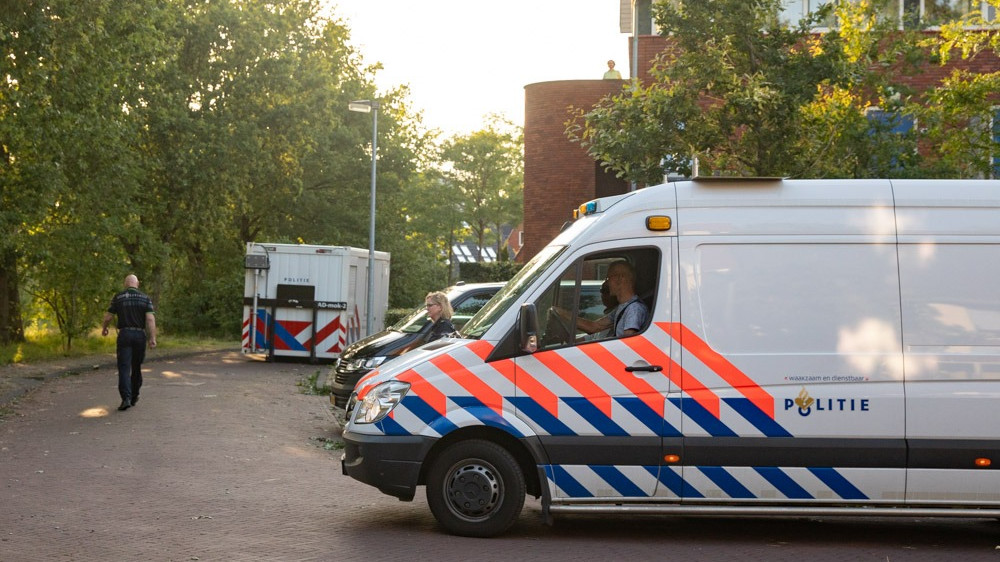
x=559 y=175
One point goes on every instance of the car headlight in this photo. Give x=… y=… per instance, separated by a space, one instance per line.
x=372 y=362
x=380 y=401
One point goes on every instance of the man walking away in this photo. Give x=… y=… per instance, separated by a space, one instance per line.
x=136 y=322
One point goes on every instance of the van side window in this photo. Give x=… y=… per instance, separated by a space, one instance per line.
x=574 y=310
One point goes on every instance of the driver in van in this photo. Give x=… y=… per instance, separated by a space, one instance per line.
x=628 y=317
x=610 y=304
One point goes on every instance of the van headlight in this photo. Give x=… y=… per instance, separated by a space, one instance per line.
x=380 y=401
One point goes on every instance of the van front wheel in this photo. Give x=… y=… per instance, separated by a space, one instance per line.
x=475 y=488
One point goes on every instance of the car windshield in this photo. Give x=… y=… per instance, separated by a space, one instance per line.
x=412 y=322
x=512 y=291
x=470 y=300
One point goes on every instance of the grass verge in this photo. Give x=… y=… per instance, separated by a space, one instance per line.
x=48 y=346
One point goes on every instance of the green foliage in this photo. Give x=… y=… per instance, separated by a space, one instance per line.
x=963 y=36
x=417 y=234
x=959 y=116
x=310 y=385
x=394 y=315
x=747 y=95
x=486 y=169
x=959 y=121
x=486 y=272
x=62 y=276
x=48 y=345
x=160 y=139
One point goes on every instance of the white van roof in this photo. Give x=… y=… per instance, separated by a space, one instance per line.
x=761 y=206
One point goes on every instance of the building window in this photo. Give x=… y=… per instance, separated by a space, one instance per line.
x=794 y=10
x=937 y=12
x=911 y=14
x=896 y=123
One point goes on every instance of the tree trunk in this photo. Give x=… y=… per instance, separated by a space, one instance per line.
x=11 y=325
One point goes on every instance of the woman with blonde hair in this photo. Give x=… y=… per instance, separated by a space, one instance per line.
x=439 y=309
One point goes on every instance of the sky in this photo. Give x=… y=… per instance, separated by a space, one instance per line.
x=464 y=59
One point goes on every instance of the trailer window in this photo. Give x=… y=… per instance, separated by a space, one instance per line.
x=296 y=293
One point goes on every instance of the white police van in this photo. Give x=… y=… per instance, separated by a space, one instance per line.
x=814 y=347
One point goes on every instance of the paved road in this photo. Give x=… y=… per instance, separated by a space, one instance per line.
x=224 y=459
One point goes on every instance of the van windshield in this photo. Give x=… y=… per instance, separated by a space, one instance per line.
x=511 y=293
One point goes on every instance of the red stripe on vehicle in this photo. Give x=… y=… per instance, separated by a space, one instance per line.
x=295 y=327
x=330 y=328
x=616 y=368
x=522 y=379
x=470 y=382
x=425 y=390
x=721 y=366
x=683 y=379
x=481 y=348
x=580 y=382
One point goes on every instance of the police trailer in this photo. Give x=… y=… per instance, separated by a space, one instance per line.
x=309 y=301
x=815 y=347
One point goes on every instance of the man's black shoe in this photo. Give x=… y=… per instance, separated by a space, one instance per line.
x=126 y=404
x=135 y=400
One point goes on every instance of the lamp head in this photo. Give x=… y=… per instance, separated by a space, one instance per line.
x=362 y=106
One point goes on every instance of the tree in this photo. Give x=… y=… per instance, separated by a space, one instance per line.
x=747 y=94
x=167 y=135
x=23 y=33
x=418 y=227
x=960 y=116
x=486 y=168
x=71 y=89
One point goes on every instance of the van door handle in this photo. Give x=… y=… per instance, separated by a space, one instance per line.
x=644 y=368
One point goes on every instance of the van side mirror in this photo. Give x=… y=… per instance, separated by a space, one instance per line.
x=528 y=324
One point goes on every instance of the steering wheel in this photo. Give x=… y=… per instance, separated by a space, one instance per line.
x=557 y=330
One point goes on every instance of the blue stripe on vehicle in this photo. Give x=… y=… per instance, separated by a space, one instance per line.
x=262 y=318
x=650 y=418
x=390 y=426
x=594 y=416
x=485 y=414
x=285 y=336
x=568 y=484
x=783 y=483
x=673 y=482
x=840 y=485
x=726 y=482
x=699 y=415
x=618 y=481
x=420 y=408
x=757 y=417
x=532 y=411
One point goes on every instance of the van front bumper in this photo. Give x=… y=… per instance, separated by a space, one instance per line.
x=390 y=463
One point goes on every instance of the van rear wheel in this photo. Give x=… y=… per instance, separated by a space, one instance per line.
x=475 y=488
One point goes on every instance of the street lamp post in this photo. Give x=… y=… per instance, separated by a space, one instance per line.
x=370 y=106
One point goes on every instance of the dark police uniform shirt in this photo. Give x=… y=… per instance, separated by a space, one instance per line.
x=440 y=329
x=131 y=306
